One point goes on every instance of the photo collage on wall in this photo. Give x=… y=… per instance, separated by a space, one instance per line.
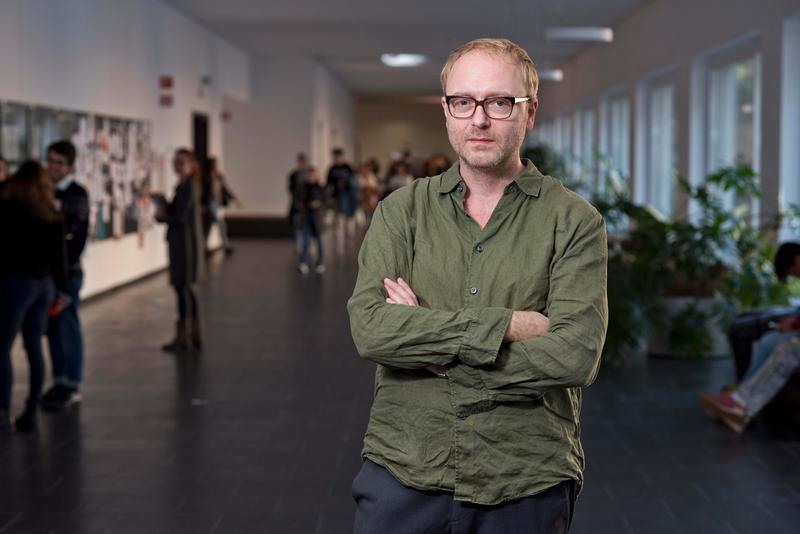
x=116 y=162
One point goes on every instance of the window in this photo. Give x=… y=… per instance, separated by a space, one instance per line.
x=563 y=145
x=617 y=167
x=585 y=147
x=733 y=122
x=790 y=123
x=659 y=186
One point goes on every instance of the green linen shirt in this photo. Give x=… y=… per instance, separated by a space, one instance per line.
x=504 y=424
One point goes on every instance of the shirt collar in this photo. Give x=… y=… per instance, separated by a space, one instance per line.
x=529 y=182
x=65 y=182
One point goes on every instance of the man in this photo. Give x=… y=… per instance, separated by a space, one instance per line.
x=296 y=180
x=342 y=186
x=64 y=330
x=481 y=294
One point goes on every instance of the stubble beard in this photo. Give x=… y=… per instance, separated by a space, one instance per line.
x=495 y=158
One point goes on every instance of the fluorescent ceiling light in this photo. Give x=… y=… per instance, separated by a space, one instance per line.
x=403 y=60
x=578 y=33
x=551 y=75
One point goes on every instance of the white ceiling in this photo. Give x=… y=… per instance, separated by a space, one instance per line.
x=350 y=35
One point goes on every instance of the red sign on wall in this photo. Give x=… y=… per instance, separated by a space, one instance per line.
x=165 y=82
x=165 y=101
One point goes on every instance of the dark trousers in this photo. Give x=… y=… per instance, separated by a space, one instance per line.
x=384 y=505
x=187 y=302
x=311 y=230
x=65 y=338
x=24 y=302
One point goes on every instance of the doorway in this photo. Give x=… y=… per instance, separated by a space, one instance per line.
x=200 y=139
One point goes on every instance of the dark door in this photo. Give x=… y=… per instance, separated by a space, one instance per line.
x=200 y=136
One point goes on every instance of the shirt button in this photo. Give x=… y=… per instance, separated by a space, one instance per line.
x=460 y=188
x=478 y=248
x=473 y=291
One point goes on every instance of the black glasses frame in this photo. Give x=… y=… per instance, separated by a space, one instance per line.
x=510 y=99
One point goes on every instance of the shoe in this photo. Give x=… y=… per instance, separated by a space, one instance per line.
x=51 y=394
x=320 y=269
x=726 y=409
x=26 y=422
x=181 y=341
x=303 y=268
x=67 y=396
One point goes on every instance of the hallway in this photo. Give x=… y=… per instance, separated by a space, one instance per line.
x=262 y=432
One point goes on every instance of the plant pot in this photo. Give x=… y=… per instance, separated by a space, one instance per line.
x=706 y=310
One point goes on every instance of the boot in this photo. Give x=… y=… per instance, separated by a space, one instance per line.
x=181 y=341
x=196 y=333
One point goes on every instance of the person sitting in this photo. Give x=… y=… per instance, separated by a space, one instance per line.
x=765 y=373
x=737 y=408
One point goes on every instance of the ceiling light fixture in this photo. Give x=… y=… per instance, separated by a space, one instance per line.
x=403 y=60
x=580 y=33
x=551 y=75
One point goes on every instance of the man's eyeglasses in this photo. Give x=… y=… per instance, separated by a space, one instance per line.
x=496 y=107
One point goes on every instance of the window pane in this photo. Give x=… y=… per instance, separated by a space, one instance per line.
x=587 y=147
x=732 y=104
x=661 y=149
x=619 y=141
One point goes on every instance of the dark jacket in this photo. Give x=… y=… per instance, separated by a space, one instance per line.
x=310 y=200
x=31 y=246
x=182 y=234
x=74 y=202
x=340 y=178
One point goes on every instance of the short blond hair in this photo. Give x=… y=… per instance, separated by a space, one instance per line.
x=495 y=46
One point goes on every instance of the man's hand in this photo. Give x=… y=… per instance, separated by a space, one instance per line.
x=399 y=292
x=526 y=325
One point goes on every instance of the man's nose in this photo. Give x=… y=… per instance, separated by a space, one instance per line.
x=479 y=118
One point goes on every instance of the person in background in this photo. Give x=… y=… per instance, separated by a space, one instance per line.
x=401 y=177
x=296 y=179
x=775 y=360
x=33 y=248
x=311 y=199
x=737 y=408
x=343 y=187
x=370 y=189
x=64 y=331
x=3 y=172
x=437 y=164
x=184 y=243
x=221 y=197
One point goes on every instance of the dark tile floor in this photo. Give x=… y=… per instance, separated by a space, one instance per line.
x=262 y=432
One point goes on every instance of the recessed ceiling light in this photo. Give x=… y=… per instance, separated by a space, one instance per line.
x=551 y=75
x=403 y=60
x=580 y=33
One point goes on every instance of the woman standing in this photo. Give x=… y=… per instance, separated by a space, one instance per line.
x=33 y=249
x=184 y=236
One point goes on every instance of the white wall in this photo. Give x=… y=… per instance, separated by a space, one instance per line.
x=672 y=34
x=298 y=105
x=333 y=123
x=106 y=57
x=388 y=125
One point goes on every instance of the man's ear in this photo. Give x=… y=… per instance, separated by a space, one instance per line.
x=533 y=105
